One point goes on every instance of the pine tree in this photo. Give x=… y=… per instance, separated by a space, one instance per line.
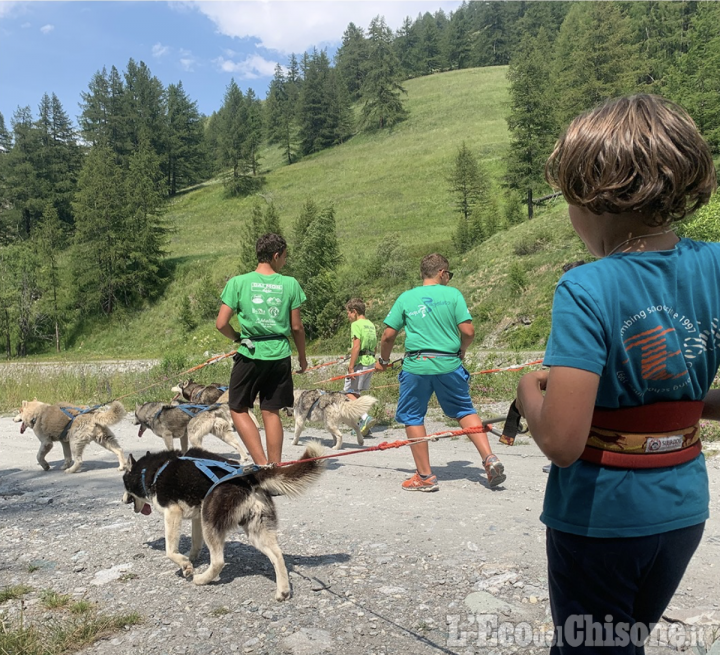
x=280 y=110
x=351 y=60
x=50 y=242
x=100 y=214
x=406 y=45
x=594 y=59
x=145 y=106
x=695 y=83
x=322 y=107
x=185 y=155
x=471 y=186
x=143 y=234
x=253 y=132
x=381 y=90
x=457 y=45
x=532 y=126
x=24 y=184
x=465 y=183
x=317 y=255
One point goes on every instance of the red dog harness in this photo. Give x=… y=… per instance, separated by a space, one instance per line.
x=648 y=436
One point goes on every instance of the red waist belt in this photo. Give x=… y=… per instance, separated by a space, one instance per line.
x=648 y=436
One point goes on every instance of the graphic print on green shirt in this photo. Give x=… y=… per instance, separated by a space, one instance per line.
x=430 y=315
x=263 y=304
x=364 y=330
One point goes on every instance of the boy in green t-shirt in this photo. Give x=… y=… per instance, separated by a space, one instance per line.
x=267 y=305
x=362 y=356
x=438 y=330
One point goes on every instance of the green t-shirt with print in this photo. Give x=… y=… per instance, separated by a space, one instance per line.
x=263 y=304
x=365 y=331
x=430 y=315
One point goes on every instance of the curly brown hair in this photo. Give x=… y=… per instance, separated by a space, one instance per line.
x=640 y=153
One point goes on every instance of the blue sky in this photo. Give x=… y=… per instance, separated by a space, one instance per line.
x=56 y=47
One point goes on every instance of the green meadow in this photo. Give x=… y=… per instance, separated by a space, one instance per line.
x=384 y=186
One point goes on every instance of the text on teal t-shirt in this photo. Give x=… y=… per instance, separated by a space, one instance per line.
x=430 y=315
x=647 y=323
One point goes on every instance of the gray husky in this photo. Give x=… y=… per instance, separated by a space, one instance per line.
x=202 y=394
x=181 y=490
x=51 y=424
x=331 y=408
x=172 y=422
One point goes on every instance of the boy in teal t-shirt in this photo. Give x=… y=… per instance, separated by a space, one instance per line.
x=438 y=331
x=363 y=338
x=268 y=309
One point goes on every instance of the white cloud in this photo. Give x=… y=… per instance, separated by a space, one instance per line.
x=187 y=64
x=7 y=7
x=299 y=25
x=251 y=68
x=46 y=29
x=158 y=50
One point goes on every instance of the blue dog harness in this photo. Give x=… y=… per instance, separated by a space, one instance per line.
x=68 y=411
x=205 y=466
x=190 y=409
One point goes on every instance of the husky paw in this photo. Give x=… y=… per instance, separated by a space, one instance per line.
x=66 y=465
x=282 y=594
x=45 y=466
x=188 y=570
x=73 y=469
x=337 y=446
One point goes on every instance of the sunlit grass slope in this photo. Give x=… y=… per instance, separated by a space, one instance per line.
x=385 y=182
x=380 y=184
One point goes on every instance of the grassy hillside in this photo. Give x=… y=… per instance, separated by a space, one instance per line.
x=380 y=184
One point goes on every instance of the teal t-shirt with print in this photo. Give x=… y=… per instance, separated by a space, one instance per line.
x=364 y=330
x=263 y=304
x=430 y=315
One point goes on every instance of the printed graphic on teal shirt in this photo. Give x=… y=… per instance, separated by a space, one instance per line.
x=263 y=304
x=430 y=315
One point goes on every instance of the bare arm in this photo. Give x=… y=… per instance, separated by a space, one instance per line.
x=386 y=345
x=222 y=323
x=559 y=420
x=467 y=336
x=354 y=354
x=298 y=332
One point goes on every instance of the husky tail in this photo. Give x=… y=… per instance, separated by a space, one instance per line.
x=296 y=479
x=112 y=415
x=354 y=409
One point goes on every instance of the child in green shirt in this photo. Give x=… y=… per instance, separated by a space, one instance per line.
x=362 y=356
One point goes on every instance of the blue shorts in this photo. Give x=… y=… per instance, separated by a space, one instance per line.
x=452 y=391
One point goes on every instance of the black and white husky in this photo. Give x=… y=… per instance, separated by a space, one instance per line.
x=177 y=485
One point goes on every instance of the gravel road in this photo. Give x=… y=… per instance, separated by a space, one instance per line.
x=374 y=569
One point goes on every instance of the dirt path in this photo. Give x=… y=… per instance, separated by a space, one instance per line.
x=374 y=569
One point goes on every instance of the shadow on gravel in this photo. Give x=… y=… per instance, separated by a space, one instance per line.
x=243 y=560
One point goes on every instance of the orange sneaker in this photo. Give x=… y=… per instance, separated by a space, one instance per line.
x=416 y=483
x=495 y=470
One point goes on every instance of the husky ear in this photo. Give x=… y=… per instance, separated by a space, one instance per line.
x=147 y=454
x=24 y=403
x=131 y=460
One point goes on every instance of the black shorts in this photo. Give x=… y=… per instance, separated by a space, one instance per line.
x=272 y=379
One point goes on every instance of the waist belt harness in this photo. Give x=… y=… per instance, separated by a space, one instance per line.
x=649 y=436
x=430 y=354
x=249 y=342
